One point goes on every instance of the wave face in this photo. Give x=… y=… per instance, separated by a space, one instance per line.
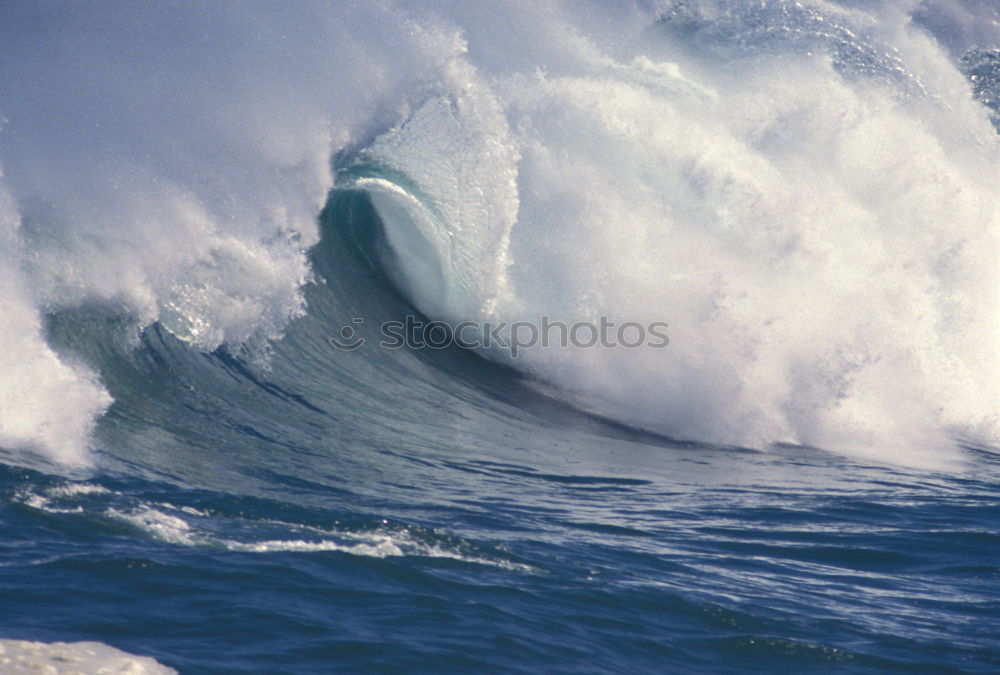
x=198 y=201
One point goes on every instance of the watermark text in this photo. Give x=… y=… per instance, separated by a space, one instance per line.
x=515 y=337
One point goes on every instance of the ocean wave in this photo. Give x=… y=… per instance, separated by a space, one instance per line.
x=803 y=191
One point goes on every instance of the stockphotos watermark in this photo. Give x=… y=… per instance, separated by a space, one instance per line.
x=415 y=333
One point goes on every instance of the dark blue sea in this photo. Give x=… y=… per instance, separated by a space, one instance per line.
x=209 y=455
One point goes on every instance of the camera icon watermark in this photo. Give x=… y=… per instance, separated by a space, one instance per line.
x=515 y=337
x=347 y=338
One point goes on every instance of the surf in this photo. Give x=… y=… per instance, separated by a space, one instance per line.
x=735 y=172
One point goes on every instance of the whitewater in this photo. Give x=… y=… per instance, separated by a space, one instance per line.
x=198 y=202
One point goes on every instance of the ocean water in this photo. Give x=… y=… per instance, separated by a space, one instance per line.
x=211 y=456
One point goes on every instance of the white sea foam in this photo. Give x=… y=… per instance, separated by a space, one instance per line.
x=60 y=498
x=77 y=489
x=43 y=503
x=21 y=657
x=158 y=524
x=812 y=210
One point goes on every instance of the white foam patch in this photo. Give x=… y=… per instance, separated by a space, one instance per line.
x=21 y=657
x=43 y=503
x=159 y=525
x=377 y=547
x=190 y=510
x=60 y=498
x=77 y=489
